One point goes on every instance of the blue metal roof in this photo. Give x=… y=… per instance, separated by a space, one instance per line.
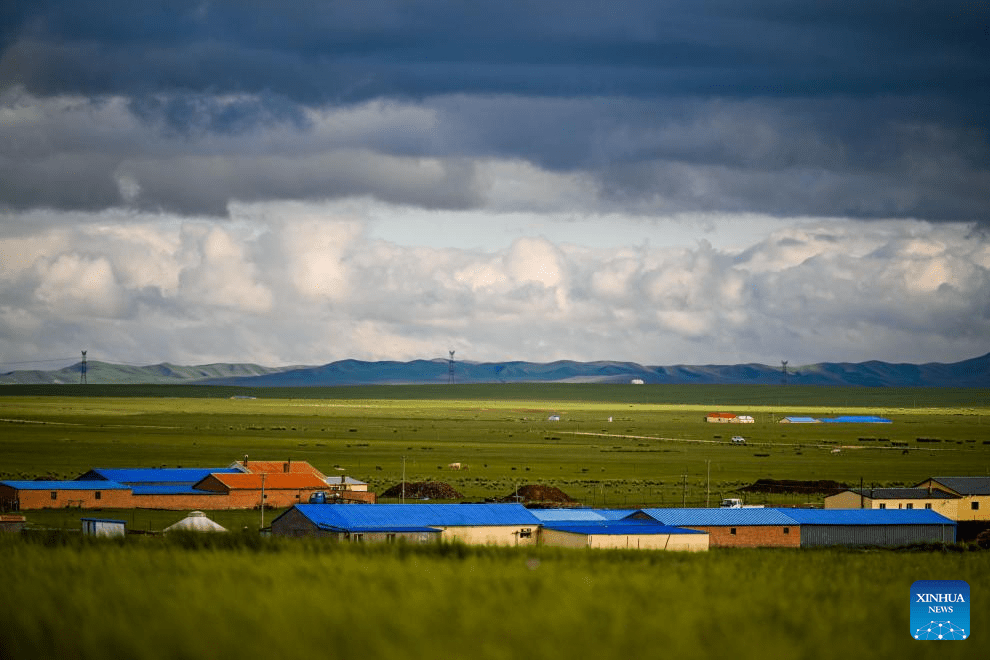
x=65 y=485
x=620 y=528
x=572 y=515
x=104 y=520
x=856 y=419
x=719 y=517
x=868 y=517
x=171 y=489
x=400 y=517
x=153 y=475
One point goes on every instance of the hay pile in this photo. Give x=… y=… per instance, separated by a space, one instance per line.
x=536 y=493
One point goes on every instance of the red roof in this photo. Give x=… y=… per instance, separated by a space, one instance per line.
x=279 y=467
x=272 y=481
x=726 y=415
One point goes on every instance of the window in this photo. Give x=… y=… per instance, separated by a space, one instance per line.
x=732 y=530
x=54 y=494
x=909 y=505
x=975 y=506
x=390 y=538
x=97 y=495
x=787 y=530
x=928 y=505
x=526 y=533
x=883 y=506
x=357 y=538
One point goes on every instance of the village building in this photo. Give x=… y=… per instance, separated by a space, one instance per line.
x=872 y=527
x=103 y=527
x=472 y=524
x=24 y=495
x=936 y=500
x=733 y=528
x=973 y=494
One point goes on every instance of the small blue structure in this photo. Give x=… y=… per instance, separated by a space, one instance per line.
x=856 y=419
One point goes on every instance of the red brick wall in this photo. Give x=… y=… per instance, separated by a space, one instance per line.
x=84 y=499
x=753 y=536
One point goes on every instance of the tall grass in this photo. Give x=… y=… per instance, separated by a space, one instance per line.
x=234 y=597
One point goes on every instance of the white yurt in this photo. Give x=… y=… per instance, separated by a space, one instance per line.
x=196 y=521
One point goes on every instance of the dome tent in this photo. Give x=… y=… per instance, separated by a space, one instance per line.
x=196 y=521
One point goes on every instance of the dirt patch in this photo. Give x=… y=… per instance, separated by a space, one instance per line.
x=535 y=493
x=424 y=490
x=822 y=486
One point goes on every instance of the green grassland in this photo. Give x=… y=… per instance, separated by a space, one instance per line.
x=244 y=596
x=150 y=598
x=656 y=451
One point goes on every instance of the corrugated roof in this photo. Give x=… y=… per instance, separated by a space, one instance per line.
x=868 y=517
x=272 y=481
x=619 y=528
x=719 y=517
x=572 y=515
x=966 y=485
x=903 y=493
x=396 y=517
x=152 y=475
x=856 y=419
x=65 y=485
x=800 y=420
x=274 y=467
x=170 y=489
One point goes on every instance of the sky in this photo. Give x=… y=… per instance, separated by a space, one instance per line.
x=662 y=182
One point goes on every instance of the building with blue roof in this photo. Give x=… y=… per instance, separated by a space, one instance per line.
x=474 y=524
x=23 y=495
x=740 y=528
x=872 y=527
x=629 y=534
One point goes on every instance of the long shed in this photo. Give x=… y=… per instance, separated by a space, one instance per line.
x=872 y=527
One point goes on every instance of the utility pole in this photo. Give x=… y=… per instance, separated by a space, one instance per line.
x=684 y=493
x=708 y=492
x=262 y=501
x=403 y=479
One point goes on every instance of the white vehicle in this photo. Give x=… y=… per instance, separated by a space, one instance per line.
x=735 y=503
x=738 y=440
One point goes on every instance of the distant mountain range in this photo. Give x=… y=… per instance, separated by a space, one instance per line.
x=968 y=373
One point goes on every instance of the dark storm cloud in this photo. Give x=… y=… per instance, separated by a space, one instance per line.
x=834 y=108
x=318 y=51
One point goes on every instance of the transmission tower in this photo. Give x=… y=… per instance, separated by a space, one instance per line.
x=82 y=369
x=450 y=369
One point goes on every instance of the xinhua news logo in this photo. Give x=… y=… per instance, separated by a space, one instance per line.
x=940 y=610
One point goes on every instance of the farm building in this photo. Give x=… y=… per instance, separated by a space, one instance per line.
x=856 y=419
x=871 y=527
x=473 y=524
x=277 y=489
x=626 y=534
x=103 y=527
x=896 y=498
x=799 y=420
x=284 y=483
x=613 y=528
x=973 y=493
x=736 y=528
x=23 y=495
x=728 y=418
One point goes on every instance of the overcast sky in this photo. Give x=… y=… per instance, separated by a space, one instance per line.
x=659 y=182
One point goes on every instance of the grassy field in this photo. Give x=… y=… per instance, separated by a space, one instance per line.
x=243 y=596
x=152 y=598
x=656 y=450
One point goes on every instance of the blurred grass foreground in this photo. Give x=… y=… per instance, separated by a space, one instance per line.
x=242 y=596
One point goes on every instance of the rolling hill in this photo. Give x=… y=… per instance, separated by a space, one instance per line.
x=968 y=373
